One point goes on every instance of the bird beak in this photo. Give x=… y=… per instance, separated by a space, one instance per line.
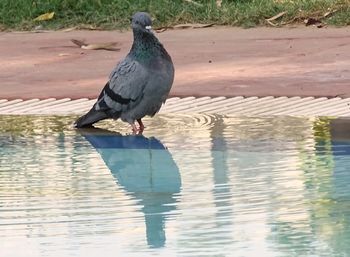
x=148 y=27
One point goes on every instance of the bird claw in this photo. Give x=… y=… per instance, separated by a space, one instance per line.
x=142 y=127
x=137 y=131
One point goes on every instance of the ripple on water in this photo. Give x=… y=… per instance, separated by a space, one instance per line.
x=194 y=185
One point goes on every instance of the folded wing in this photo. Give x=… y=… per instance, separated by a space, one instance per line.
x=124 y=89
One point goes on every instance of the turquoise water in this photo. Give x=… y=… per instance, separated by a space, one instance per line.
x=192 y=185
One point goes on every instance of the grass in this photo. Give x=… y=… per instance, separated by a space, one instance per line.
x=115 y=14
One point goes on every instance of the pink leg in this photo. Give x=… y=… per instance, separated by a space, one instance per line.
x=134 y=129
x=142 y=127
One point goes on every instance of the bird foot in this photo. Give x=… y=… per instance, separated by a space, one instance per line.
x=142 y=127
x=137 y=131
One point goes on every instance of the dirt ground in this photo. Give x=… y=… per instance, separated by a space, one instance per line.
x=208 y=62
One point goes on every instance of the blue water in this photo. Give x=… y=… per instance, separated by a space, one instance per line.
x=192 y=185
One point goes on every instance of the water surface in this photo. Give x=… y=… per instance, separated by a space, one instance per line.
x=192 y=185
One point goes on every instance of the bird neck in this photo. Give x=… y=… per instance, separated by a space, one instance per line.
x=145 y=45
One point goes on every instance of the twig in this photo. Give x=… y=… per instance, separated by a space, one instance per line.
x=269 y=20
x=100 y=46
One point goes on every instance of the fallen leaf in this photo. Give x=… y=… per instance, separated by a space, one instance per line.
x=88 y=27
x=193 y=2
x=184 y=26
x=102 y=46
x=45 y=16
x=79 y=43
x=160 y=30
x=31 y=31
x=110 y=46
x=192 y=26
x=68 y=29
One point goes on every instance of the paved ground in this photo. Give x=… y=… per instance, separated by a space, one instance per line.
x=211 y=61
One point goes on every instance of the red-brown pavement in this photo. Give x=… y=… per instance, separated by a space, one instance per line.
x=209 y=62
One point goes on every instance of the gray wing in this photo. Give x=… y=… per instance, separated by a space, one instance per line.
x=124 y=88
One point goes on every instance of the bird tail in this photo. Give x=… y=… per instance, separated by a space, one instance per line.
x=90 y=118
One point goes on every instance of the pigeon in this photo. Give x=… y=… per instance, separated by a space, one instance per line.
x=139 y=84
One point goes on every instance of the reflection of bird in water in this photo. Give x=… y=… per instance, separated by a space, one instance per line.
x=146 y=169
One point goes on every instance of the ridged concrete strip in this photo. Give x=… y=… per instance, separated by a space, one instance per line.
x=268 y=104
x=340 y=110
x=188 y=104
x=341 y=113
x=196 y=104
x=213 y=106
x=78 y=107
x=242 y=109
x=27 y=105
x=288 y=104
x=5 y=109
x=275 y=104
x=303 y=106
x=43 y=106
x=238 y=109
x=318 y=108
x=181 y=101
x=233 y=109
x=10 y=102
x=342 y=104
x=55 y=108
x=234 y=104
x=173 y=99
x=250 y=106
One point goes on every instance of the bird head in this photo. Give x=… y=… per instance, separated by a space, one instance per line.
x=141 y=21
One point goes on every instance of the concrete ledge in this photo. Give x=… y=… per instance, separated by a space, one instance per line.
x=219 y=61
x=247 y=106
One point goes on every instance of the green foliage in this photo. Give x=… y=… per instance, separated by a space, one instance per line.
x=115 y=14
